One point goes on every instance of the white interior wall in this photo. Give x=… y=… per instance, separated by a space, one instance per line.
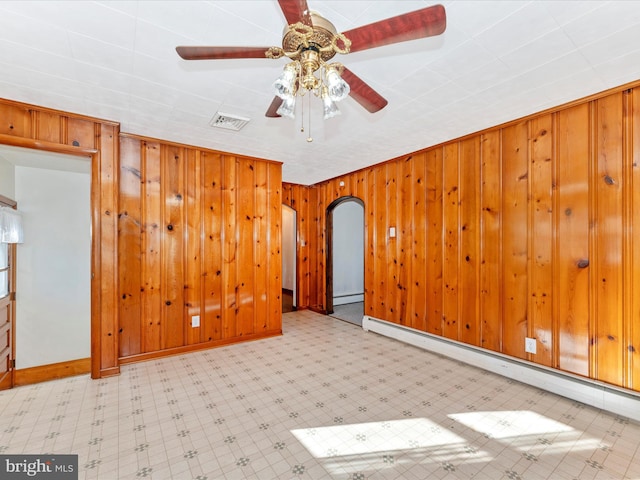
x=348 y=253
x=288 y=248
x=53 y=288
x=7 y=179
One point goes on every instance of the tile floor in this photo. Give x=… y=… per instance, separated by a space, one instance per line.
x=324 y=401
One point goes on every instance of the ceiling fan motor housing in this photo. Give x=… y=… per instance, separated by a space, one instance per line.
x=298 y=38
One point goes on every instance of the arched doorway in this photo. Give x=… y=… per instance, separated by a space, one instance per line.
x=345 y=259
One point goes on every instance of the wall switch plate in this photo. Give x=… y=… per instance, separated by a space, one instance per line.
x=195 y=321
x=392 y=232
x=530 y=345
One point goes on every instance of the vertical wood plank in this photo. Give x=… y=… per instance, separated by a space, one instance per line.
x=628 y=292
x=571 y=289
x=108 y=247
x=491 y=242
x=633 y=152
x=405 y=228
x=392 y=296
x=275 y=242
x=80 y=133
x=418 y=216
x=311 y=247
x=193 y=247
x=469 y=232
x=451 y=247
x=212 y=248
x=287 y=189
x=515 y=238
x=435 y=240
x=245 y=263
x=299 y=202
x=608 y=246
x=371 y=235
x=172 y=259
x=129 y=246
x=321 y=234
x=48 y=127
x=361 y=186
x=261 y=232
x=229 y=246
x=151 y=248
x=380 y=274
x=541 y=324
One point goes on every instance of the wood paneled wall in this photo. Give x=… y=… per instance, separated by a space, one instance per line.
x=220 y=258
x=531 y=229
x=28 y=126
x=199 y=234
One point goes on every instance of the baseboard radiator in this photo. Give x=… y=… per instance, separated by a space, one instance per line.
x=597 y=394
x=348 y=298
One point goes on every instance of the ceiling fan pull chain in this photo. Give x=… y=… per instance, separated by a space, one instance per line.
x=309 y=138
x=302 y=115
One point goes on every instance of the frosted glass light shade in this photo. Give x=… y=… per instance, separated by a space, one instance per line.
x=287 y=108
x=330 y=108
x=285 y=83
x=338 y=89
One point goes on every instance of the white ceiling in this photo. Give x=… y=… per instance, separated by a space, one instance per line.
x=497 y=61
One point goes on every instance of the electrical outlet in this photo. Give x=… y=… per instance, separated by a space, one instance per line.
x=195 y=321
x=530 y=345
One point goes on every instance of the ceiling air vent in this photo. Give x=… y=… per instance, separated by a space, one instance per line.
x=229 y=122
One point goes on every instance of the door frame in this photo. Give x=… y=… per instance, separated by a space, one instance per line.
x=329 y=247
x=8 y=380
x=96 y=265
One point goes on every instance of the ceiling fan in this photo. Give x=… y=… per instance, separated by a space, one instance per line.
x=310 y=41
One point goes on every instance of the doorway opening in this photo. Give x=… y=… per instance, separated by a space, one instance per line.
x=289 y=256
x=345 y=259
x=52 y=315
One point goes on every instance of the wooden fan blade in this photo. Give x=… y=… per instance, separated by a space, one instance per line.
x=426 y=22
x=295 y=11
x=221 y=53
x=363 y=93
x=272 y=111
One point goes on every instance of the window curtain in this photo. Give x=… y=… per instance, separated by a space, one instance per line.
x=10 y=226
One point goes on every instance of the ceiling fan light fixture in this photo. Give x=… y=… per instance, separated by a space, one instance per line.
x=310 y=41
x=287 y=109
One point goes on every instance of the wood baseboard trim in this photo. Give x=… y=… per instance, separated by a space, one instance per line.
x=53 y=371
x=109 y=372
x=143 y=357
x=6 y=382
